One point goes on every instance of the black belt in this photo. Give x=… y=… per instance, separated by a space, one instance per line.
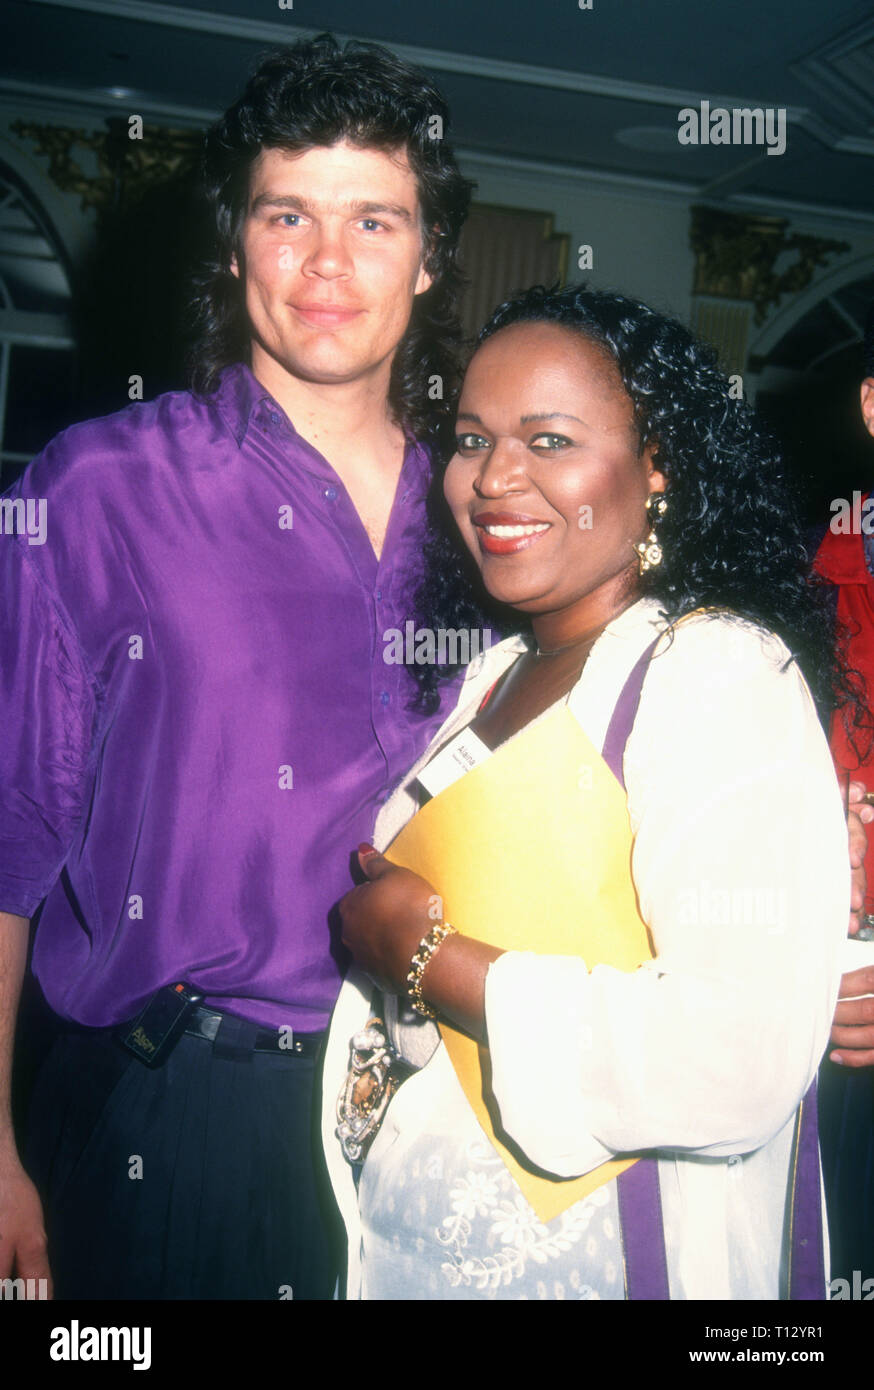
x=205 y=1023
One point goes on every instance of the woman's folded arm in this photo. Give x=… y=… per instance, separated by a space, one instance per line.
x=741 y=869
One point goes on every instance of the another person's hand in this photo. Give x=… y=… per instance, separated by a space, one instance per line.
x=23 y=1251
x=852 y=1034
x=385 y=919
x=859 y=814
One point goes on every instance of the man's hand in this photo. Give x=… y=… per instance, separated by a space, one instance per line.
x=23 y=1251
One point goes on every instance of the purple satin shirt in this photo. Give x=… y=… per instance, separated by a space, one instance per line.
x=198 y=726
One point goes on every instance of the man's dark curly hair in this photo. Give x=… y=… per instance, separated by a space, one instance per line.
x=315 y=94
x=730 y=536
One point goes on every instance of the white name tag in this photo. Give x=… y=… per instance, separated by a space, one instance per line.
x=462 y=753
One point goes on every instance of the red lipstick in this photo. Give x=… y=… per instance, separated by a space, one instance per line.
x=507 y=533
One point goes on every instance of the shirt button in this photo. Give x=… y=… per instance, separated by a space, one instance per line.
x=379 y=593
x=331 y=494
x=734 y=1160
x=384 y=697
x=274 y=418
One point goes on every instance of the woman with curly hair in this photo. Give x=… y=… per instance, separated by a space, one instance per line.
x=608 y=921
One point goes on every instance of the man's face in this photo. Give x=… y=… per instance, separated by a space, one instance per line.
x=332 y=259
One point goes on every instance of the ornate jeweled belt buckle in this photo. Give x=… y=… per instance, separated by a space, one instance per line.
x=368 y=1088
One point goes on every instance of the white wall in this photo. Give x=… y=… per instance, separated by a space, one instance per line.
x=640 y=235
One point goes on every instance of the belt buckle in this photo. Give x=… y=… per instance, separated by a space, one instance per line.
x=367 y=1090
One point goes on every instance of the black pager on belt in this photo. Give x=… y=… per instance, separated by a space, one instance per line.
x=153 y=1035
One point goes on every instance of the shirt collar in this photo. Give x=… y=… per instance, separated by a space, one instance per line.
x=237 y=397
x=240 y=398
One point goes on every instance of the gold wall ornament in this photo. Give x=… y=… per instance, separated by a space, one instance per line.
x=126 y=168
x=736 y=255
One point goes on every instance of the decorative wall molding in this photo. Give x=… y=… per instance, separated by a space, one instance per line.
x=36 y=330
x=842 y=70
x=782 y=320
x=125 y=168
x=42 y=100
x=569 y=175
x=466 y=64
x=736 y=256
x=440 y=59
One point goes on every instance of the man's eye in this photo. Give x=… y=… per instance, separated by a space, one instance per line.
x=550 y=441
x=466 y=443
x=371 y=225
x=289 y=219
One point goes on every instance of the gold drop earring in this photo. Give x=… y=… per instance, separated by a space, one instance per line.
x=649 y=552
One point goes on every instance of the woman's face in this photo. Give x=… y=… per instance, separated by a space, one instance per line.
x=548 y=484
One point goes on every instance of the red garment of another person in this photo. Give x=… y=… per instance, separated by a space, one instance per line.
x=841 y=560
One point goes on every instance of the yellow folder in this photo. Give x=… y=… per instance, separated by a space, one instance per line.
x=531 y=851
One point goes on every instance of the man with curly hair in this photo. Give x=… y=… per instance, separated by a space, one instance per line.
x=200 y=719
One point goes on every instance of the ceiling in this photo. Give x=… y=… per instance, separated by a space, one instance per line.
x=553 y=85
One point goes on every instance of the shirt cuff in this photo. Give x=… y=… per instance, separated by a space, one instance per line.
x=539 y=1039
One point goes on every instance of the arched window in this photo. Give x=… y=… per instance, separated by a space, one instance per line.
x=808 y=366
x=37 y=361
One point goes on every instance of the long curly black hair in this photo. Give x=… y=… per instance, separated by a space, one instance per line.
x=314 y=94
x=730 y=535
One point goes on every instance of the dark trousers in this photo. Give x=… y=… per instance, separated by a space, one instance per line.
x=845 y=1104
x=199 y=1180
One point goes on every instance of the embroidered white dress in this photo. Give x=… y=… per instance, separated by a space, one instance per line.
x=740 y=867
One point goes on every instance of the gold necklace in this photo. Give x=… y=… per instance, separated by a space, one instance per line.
x=567 y=647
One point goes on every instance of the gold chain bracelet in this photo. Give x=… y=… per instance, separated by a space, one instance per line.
x=418 y=965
